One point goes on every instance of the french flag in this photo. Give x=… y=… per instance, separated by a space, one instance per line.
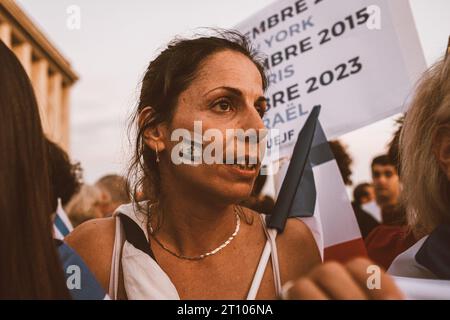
x=313 y=189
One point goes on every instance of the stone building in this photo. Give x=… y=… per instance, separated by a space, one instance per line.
x=50 y=73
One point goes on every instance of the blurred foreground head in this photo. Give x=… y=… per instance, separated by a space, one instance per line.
x=29 y=265
x=425 y=151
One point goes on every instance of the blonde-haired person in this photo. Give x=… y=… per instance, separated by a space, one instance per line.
x=85 y=205
x=425 y=165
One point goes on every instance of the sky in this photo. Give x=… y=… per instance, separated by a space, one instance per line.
x=117 y=40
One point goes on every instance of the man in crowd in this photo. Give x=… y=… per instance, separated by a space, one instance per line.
x=114 y=193
x=363 y=194
x=392 y=237
x=387 y=189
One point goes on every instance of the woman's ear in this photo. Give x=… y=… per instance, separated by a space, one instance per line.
x=442 y=149
x=154 y=136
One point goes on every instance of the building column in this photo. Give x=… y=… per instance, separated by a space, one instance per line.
x=39 y=78
x=65 y=118
x=54 y=106
x=5 y=33
x=23 y=52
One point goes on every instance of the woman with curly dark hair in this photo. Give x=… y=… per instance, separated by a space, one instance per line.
x=193 y=240
x=65 y=176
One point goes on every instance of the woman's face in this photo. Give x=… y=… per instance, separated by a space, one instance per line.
x=227 y=93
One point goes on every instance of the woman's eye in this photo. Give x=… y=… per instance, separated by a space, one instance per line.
x=222 y=106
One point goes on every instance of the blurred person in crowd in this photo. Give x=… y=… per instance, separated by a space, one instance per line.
x=65 y=176
x=29 y=264
x=387 y=189
x=193 y=240
x=393 y=236
x=114 y=193
x=425 y=167
x=65 y=182
x=362 y=194
x=140 y=196
x=343 y=159
x=142 y=193
x=257 y=201
x=85 y=205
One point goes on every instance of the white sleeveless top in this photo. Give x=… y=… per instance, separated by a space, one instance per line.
x=144 y=279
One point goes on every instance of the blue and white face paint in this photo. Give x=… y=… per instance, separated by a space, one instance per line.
x=239 y=147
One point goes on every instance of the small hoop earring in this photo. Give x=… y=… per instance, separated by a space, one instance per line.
x=157 y=154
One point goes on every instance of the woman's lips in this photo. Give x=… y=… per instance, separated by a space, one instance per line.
x=248 y=171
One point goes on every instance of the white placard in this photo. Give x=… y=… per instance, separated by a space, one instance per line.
x=359 y=59
x=423 y=289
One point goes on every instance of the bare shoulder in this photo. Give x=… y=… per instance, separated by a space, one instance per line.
x=297 y=250
x=94 y=242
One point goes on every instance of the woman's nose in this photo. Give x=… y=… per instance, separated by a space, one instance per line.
x=252 y=119
x=254 y=129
